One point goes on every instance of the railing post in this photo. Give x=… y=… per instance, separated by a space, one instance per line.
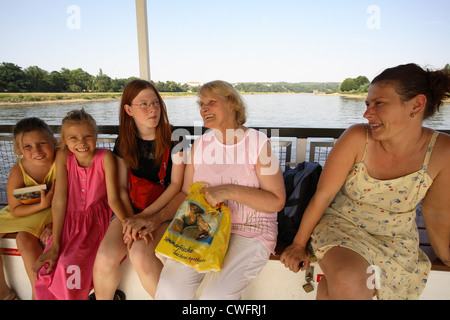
x=300 y=154
x=142 y=32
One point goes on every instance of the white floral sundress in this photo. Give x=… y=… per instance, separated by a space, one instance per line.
x=376 y=219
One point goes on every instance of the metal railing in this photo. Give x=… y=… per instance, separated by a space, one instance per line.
x=291 y=145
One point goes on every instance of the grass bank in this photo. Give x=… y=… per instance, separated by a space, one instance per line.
x=36 y=97
x=71 y=97
x=11 y=98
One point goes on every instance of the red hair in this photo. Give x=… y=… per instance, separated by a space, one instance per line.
x=127 y=141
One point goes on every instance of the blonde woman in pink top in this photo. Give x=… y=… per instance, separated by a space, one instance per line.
x=238 y=165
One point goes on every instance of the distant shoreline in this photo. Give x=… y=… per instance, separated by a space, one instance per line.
x=19 y=99
x=26 y=99
x=46 y=102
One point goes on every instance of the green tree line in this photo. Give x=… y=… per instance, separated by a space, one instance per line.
x=361 y=84
x=34 y=79
x=355 y=85
x=301 y=87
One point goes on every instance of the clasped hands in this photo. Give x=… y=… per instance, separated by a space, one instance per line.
x=142 y=226
x=139 y=227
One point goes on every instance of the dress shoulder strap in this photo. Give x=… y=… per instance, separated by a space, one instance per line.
x=367 y=142
x=430 y=150
x=21 y=166
x=27 y=180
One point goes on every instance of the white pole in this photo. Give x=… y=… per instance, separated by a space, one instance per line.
x=142 y=32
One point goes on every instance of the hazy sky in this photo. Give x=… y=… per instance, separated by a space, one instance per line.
x=236 y=41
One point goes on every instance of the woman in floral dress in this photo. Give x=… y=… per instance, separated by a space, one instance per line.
x=361 y=221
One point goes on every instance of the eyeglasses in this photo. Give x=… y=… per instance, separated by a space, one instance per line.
x=147 y=105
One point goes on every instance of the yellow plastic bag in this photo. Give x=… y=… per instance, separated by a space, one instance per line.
x=199 y=233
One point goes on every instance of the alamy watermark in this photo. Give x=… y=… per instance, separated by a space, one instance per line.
x=210 y=153
x=374 y=20
x=74 y=20
x=373 y=282
x=74 y=280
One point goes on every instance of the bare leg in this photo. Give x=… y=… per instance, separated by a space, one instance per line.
x=4 y=289
x=145 y=262
x=345 y=275
x=30 y=248
x=107 y=263
x=322 y=289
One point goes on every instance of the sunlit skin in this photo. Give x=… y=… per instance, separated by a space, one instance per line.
x=218 y=115
x=81 y=140
x=38 y=151
x=36 y=148
x=395 y=146
x=146 y=112
x=128 y=230
x=386 y=113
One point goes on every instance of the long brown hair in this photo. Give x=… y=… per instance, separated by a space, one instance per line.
x=127 y=141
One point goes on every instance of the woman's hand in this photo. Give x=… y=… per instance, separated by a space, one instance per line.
x=293 y=256
x=140 y=227
x=216 y=195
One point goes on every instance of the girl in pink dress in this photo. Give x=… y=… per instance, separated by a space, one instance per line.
x=86 y=191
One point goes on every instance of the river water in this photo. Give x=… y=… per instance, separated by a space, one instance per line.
x=264 y=110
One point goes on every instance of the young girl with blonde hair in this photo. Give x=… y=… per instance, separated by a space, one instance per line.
x=35 y=146
x=85 y=193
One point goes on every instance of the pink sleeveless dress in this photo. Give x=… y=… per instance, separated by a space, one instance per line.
x=86 y=221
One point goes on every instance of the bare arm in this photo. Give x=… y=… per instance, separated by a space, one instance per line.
x=339 y=162
x=163 y=208
x=58 y=213
x=122 y=174
x=17 y=208
x=269 y=197
x=170 y=209
x=176 y=183
x=122 y=177
x=112 y=186
x=60 y=198
x=436 y=204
